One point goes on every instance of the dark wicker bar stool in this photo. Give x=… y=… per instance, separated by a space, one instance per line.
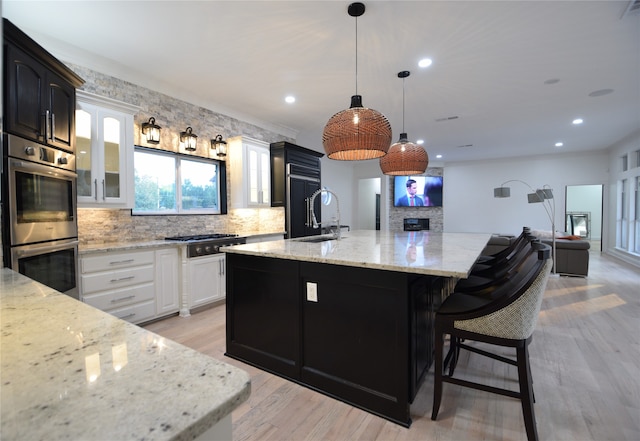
x=508 y=320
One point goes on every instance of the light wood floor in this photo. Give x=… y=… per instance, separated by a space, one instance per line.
x=585 y=358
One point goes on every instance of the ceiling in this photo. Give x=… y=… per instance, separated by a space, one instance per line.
x=514 y=74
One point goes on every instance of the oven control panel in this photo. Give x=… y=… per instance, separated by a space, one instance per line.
x=21 y=148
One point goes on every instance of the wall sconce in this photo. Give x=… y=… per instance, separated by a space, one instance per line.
x=188 y=140
x=151 y=131
x=219 y=146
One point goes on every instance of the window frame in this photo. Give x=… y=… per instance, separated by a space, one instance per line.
x=179 y=211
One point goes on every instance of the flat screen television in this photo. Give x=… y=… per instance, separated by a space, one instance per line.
x=426 y=190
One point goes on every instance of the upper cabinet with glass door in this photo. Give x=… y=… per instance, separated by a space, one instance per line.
x=104 y=146
x=250 y=168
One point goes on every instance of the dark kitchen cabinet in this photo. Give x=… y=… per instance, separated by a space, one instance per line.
x=366 y=337
x=282 y=154
x=297 y=223
x=295 y=176
x=39 y=92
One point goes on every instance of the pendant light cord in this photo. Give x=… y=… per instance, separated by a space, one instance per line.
x=356 y=55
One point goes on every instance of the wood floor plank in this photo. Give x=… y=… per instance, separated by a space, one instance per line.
x=585 y=361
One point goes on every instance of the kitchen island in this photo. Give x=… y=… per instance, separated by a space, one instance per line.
x=351 y=318
x=72 y=372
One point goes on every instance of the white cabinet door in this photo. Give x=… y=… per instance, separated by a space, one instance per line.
x=206 y=277
x=250 y=169
x=104 y=145
x=167 y=281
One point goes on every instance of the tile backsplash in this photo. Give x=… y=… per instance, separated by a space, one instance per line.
x=104 y=226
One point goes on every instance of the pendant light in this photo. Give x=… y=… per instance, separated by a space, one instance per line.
x=357 y=133
x=404 y=158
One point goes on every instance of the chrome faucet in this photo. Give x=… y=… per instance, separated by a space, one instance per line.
x=312 y=214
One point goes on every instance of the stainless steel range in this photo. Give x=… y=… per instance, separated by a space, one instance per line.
x=206 y=244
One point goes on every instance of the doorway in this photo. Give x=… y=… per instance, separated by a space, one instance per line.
x=583 y=212
x=368 y=204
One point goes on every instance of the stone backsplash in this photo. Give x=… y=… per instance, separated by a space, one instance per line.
x=103 y=226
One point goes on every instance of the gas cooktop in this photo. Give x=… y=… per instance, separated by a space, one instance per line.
x=195 y=237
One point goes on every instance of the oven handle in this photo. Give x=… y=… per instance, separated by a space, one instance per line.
x=44 y=170
x=34 y=249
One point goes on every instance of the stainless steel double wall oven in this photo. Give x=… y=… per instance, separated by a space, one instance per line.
x=40 y=234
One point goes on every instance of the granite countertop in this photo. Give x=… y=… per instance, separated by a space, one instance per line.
x=422 y=252
x=105 y=247
x=70 y=371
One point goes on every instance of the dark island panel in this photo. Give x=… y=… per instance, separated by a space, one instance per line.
x=365 y=337
x=355 y=337
x=263 y=313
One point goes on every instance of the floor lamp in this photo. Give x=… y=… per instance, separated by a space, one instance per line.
x=542 y=195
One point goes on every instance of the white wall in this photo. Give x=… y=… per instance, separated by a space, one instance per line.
x=469 y=205
x=338 y=177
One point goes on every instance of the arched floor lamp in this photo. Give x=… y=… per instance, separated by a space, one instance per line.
x=542 y=195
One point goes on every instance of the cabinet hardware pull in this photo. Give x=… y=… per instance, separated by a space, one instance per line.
x=53 y=126
x=127 y=316
x=46 y=125
x=95 y=185
x=104 y=191
x=122 y=279
x=117 y=262
x=122 y=299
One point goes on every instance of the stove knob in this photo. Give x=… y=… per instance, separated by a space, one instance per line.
x=62 y=160
x=207 y=249
x=30 y=151
x=198 y=250
x=216 y=249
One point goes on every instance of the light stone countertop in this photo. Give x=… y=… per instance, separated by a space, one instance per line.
x=421 y=252
x=70 y=371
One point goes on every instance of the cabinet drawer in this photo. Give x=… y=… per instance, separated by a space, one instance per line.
x=116 y=279
x=121 y=297
x=136 y=313
x=107 y=262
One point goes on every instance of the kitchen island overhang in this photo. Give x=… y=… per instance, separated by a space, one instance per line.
x=352 y=318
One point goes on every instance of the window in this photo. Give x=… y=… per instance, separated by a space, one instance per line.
x=625 y=162
x=170 y=183
x=622 y=218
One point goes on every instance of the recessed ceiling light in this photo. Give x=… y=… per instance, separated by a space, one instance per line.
x=420 y=141
x=577 y=121
x=559 y=144
x=552 y=81
x=425 y=62
x=438 y=156
x=290 y=99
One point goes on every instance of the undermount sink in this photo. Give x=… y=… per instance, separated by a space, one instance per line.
x=315 y=239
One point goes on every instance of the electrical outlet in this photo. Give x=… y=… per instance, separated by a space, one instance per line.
x=312 y=292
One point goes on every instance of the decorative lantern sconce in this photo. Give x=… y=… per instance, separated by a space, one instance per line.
x=188 y=140
x=219 y=146
x=151 y=131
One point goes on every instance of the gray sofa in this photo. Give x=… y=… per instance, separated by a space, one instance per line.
x=572 y=256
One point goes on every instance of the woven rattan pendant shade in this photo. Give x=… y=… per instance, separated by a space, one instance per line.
x=404 y=158
x=357 y=133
